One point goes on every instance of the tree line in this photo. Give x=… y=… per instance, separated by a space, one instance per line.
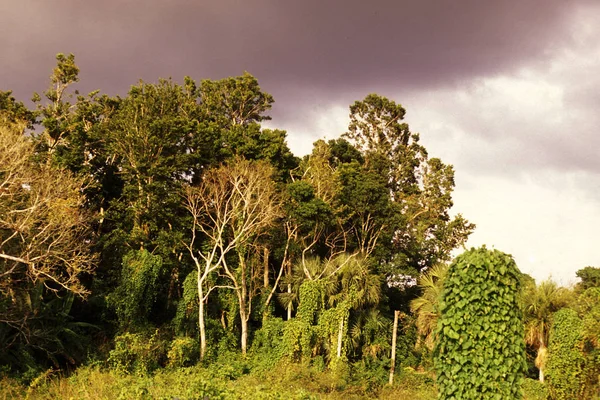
x=169 y=218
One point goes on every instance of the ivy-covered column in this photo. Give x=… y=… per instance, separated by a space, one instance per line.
x=480 y=351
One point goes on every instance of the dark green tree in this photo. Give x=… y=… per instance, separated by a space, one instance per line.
x=13 y=111
x=424 y=234
x=56 y=112
x=590 y=277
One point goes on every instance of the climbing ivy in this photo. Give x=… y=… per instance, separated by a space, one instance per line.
x=565 y=361
x=300 y=334
x=480 y=352
x=136 y=294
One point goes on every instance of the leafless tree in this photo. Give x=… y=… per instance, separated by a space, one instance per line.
x=44 y=235
x=232 y=207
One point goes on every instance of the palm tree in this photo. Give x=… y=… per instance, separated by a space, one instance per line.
x=425 y=307
x=353 y=286
x=541 y=301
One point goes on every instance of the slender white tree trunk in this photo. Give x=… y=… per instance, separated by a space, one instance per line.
x=394 y=336
x=266 y=267
x=201 y=318
x=289 y=307
x=244 y=338
x=340 y=337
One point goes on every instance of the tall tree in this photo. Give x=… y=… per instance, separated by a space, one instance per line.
x=56 y=113
x=150 y=136
x=45 y=235
x=421 y=188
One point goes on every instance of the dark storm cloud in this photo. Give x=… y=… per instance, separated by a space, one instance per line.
x=314 y=55
x=295 y=48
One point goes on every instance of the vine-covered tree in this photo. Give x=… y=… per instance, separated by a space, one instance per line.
x=565 y=361
x=480 y=352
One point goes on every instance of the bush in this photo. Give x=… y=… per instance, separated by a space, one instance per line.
x=183 y=352
x=534 y=390
x=139 y=353
x=267 y=346
x=410 y=384
x=480 y=351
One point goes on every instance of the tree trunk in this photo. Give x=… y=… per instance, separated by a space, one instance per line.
x=266 y=267
x=289 y=307
x=542 y=354
x=201 y=318
x=244 y=338
x=242 y=298
x=394 y=336
x=340 y=337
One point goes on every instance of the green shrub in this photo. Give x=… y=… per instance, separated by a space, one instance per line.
x=410 y=384
x=267 y=345
x=139 y=353
x=533 y=389
x=415 y=380
x=183 y=352
x=564 y=369
x=480 y=351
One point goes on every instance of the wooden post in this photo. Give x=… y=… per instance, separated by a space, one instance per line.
x=394 y=335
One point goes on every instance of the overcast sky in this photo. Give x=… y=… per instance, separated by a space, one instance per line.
x=506 y=91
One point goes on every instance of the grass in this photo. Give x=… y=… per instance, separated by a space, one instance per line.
x=286 y=381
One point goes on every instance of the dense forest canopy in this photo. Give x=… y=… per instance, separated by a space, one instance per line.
x=168 y=227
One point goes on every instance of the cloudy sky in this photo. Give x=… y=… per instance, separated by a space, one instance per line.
x=506 y=91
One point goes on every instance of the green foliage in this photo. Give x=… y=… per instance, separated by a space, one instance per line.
x=299 y=334
x=183 y=352
x=415 y=380
x=565 y=361
x=138 y=353
x=138 y=288
x=377 y=198
x=13 y=111
x=186 y=318
x=426 y=306
x=268 y=345
x=588 y=307
x=533 y=389
x=590 y=277
x=421 y=187
x=540 y=303
x=480 y=352
x=54 y=337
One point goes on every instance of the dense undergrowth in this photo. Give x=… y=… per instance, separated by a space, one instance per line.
x=235 y=380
